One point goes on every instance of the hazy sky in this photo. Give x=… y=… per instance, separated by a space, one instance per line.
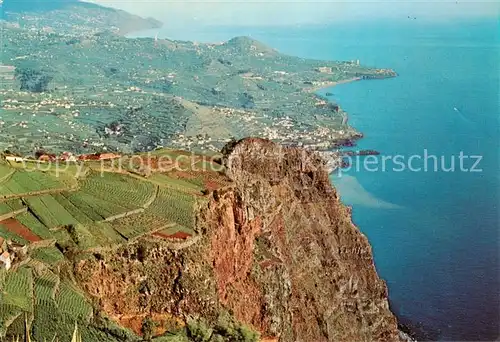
x=286 y=12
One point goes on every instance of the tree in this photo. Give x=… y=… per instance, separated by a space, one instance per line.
x=148 y=328
x=33 y=80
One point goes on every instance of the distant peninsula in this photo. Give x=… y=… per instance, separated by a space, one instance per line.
x=72 y=14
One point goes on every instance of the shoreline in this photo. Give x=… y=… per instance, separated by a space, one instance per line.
x=332 y=84
x=409 y=331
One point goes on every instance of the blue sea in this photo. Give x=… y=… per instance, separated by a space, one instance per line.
x=435 y=234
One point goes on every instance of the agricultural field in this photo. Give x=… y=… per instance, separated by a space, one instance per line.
x=81 y=237
x=45 y=287
x=119 y=189
x=49 y=318
x=50 y=212
x=183 y=160
x=146 y=165
x=71 y=215
x=72 y=302
x=48 y=255
x=5 y=169
x=23 y=183
x=18 y=289
x=51 y=306
x=97 y=208
x=78 y=207
x=8 y=313
x=17 y=228
x=134 y=226
x=104 y=196
x=176 y=232
x=37 y=227
x=5 y=172
x=9 y=235
x=168 y=153
x=103 y=234
x=10 y=206
x=175 y=206
x=188 y=183
x=104 y=208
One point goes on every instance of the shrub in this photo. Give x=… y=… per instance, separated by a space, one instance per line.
x=148 y=328
x=246 y=334
x=198 y=330
x=232 y=330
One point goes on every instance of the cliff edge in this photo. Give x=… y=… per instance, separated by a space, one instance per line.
x=309 y=273
x=276 y=249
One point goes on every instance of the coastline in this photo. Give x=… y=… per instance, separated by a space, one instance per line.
x=406 y=333
x=409 y=113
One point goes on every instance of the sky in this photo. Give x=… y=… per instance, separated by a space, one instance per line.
x=176 y=13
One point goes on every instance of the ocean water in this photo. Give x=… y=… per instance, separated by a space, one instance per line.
x=438 y=245
x=435 y=235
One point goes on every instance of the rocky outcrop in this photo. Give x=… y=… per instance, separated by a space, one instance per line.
x=278 y=251
x=299 y=269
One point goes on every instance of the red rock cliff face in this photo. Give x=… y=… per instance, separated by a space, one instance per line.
x=277 y=249
x=286 y=256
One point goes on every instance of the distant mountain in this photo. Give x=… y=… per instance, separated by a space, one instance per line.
x=63 y=15
x=247 y=44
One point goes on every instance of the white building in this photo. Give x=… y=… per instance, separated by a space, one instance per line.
x=324 y=70
x=14 y=159
x=5 y=260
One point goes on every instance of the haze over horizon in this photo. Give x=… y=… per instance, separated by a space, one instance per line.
x=198 y=13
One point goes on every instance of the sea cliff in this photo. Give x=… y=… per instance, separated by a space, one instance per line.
x=262 y=246
x=277 y=249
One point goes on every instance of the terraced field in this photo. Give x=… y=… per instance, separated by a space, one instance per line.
x=175 y=206
x=15 y=227
x=34 y=224
x=71 y=302
x=189 y=184
x=9 y=207
x=49 y=211
x=124 y=191
x=177 y=232
x=5 y=172
x=48 y=255
x=10 y=235
x=24 y=183
x=104 y=208
x=51 y=305
x=68 y=216
x=134 y=226
x=18 y=290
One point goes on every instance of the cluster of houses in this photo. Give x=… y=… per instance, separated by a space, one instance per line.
x=324 y=70
x=5 y=257
x=7 y=72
